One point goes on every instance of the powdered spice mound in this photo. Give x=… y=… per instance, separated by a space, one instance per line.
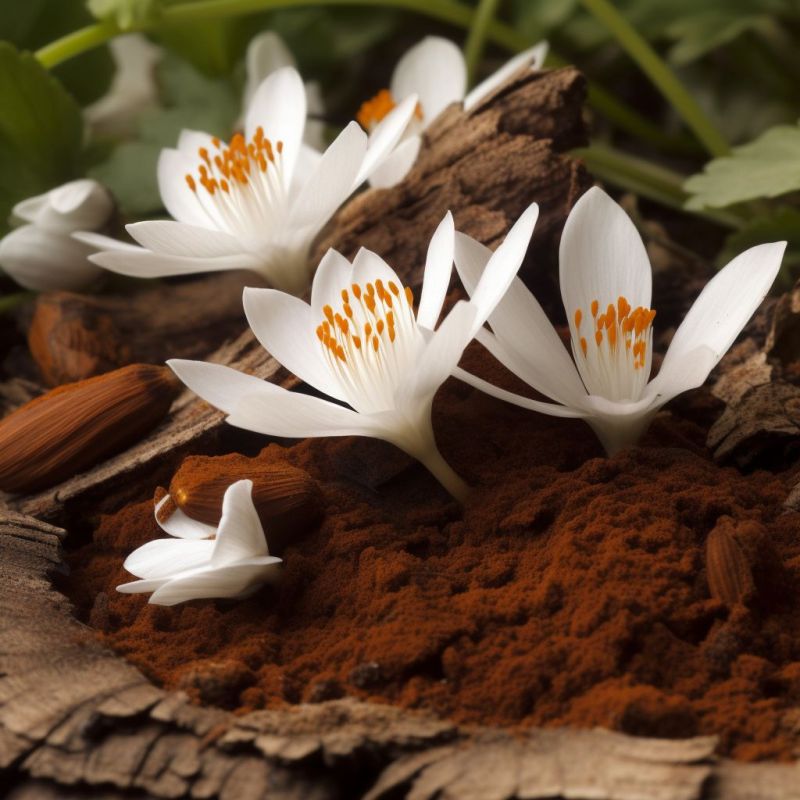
x=571 y=590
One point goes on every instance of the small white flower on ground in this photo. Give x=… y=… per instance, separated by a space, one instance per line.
x=606 y=284
x=360 y=342
x=266 y=54
x=194 y=566
x=41 y=255
x=256 y=203
x=434 y=70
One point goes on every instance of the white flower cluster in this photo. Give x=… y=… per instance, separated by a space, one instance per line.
x=259 y=201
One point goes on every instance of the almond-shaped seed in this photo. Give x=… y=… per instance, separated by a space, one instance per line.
x=77 y=425
x=287 y=498
x=730 y=578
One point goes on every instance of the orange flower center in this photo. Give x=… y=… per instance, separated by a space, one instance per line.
x=618 y=326
x=372 y=111
x=368 y=320
x=225 y=167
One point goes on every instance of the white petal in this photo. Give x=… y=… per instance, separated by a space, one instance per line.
x=279 y=107
x=180 y=525
x=275 y=411
x=503 y=266
x=397 y=164
x=385 y=137
x=332 y=181
x=518 y=320
x=285 y=326
x=442 y=353
x=222 y=387
x=82 y=204
x=97 y=242
x=146 y=264
x=532 y=58
x=140 y=587
x=307 y=162
x=333 y=274
x=435 y=70
x=190 y=142
x=162 y=558
x=240 y=535
x=180 y=239
x=178 y=198
x=234 y=580
x=369 y=266
x=438 y=268
x=266 y=53
x=551 y=409
x=717 y=317
x=601 y=257
x=547 y=369
x=44 y=260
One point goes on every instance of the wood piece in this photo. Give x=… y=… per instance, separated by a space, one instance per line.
x=74 y=336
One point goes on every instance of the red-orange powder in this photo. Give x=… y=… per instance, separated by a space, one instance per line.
x=570 y=590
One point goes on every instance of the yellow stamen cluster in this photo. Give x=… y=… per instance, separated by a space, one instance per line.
x=619 y=323
x=233 y=164
x=342 y=335
x=372 y=111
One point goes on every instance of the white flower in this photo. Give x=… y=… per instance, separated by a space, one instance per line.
x=193 y=566
x=434 y=70
x=606 y=285
x=41 y=255
x=360 y=342
x=266 y=54
x=256 y=203
x=133 y=87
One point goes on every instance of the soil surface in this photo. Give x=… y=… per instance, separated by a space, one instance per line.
x=571 y=590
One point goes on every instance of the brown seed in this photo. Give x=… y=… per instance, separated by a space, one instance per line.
x=71 y=338
x=287 y=498
x=729 y=576
x=75 y=426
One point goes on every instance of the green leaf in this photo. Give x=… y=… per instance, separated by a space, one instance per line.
x=41 y=130
x=126 y=13
x=766 y=167
x=698 y=35
x=212 y=46
x=31 y=24
x=130 y=173
x=191 y=101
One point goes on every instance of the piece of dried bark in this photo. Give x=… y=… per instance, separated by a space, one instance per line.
x=763 y=426
x=73 y=336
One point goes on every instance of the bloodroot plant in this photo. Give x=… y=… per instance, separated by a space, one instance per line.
x=606 y=284
x=361 y=342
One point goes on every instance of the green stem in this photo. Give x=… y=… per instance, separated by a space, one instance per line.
x=75 y=43
x=11 y=301
x=660 y=74
x=647 y=180
x=455 y=13
x=476 y=39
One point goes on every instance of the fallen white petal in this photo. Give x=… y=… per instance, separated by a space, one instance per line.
x=162 y=558
x=240 y=535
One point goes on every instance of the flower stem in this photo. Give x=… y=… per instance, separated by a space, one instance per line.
x=660 y=74
x=433 y=461
x=11 y=301
x=449 y=11
x=75 y=43
x=476 y=39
